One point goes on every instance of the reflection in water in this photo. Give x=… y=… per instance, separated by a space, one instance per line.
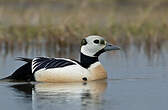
x=133 y=82
x=25 y=89
x=53 y=96
x=69 y=50
x=81 y=95
x=39 y=49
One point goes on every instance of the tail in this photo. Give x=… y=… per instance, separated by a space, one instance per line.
x=6 y=79
x=28 y=60
x=24 y=73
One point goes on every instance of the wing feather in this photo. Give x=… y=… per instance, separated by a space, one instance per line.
x=48 y=63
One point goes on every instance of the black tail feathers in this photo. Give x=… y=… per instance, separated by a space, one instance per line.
x=24 y=73
x=6 y=79
x=28 y=60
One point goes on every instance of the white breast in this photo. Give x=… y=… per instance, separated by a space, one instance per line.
x=72 y=73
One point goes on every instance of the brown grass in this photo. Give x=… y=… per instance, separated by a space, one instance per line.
x=65 y=23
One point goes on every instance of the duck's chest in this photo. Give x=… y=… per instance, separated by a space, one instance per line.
x=97 y=71
x=74 y=73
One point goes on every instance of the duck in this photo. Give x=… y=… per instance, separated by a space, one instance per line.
x=57 y=70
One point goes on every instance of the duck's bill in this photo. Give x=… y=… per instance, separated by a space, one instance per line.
x=110 y=47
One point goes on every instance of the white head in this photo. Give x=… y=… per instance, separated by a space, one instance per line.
x=94 y=45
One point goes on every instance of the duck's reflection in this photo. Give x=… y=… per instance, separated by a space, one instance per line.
x=69 y=95
x=25 y=89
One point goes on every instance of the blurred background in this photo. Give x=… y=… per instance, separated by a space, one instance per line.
x=137 y=74
x=60 y=23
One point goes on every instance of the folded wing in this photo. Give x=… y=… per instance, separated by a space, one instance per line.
x=48 y=63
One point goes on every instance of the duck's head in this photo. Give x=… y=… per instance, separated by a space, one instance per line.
x=94 y=45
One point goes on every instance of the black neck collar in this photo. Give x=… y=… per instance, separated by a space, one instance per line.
x=86 y=61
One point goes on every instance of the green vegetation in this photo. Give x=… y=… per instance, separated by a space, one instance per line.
x=55 y=21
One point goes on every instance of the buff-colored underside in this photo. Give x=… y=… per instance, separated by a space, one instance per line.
x=73 y=73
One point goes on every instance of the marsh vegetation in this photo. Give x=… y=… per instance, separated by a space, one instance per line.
x=60 y=23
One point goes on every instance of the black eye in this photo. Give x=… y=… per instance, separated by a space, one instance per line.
x=96 y=41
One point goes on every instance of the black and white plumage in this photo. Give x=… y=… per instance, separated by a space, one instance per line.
x=47 y=69
x=48 y=63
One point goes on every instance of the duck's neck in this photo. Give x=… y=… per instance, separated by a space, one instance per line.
x=86 y=61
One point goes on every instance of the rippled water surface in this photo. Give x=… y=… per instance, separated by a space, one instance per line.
x=137 y=80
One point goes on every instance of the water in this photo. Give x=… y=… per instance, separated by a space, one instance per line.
x=136 y=81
